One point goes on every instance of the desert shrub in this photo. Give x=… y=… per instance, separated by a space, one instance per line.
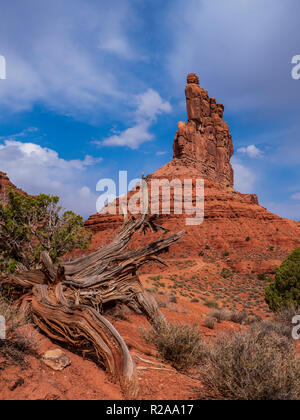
x=30 y=225
x=210 y=322
x=271 y=326
x=15 y=346
x=262 y=277
x=225 y=254
x=172 y=299
x=252 y=319
x=211 y=303
x=179 y=344
x=286 y=315
x=226 y=273
x=10 y=313
x=284 y=291
x=239 y=317
x=282 y=322
x=220 y=315
x=247 y=239
x=252 y=365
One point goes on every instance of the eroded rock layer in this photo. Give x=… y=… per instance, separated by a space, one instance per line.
x=234 y=223
x=204 y=142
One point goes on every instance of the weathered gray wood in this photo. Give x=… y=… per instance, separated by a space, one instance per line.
x=68 y=300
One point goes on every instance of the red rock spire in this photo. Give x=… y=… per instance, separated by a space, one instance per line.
x=204 y=141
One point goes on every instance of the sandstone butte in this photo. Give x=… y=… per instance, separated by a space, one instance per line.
x=234 y=224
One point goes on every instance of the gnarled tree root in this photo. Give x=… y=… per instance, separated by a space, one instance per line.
x=67 y=301
x=84 y=328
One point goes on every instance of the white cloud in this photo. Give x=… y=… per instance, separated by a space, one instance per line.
x=149 y=106
x=244 y=178
x=296 y=196
x=37 y=169
x=132 y=137
x=251 y=151
x=53 y=56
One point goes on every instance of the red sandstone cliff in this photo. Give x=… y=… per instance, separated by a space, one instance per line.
x=233 y=221
x=204 y=142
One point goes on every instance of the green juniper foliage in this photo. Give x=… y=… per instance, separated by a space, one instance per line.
x=30 y=225
x=284 y=291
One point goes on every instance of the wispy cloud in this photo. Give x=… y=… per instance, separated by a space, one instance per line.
x=55 y=58
x=149 y=106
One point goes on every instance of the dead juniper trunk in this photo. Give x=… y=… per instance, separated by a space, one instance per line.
x=67 y=301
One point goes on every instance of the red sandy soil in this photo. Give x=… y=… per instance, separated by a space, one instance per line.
x=86 y=380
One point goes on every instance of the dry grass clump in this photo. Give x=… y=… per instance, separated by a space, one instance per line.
x=211 y=303
x=210 y=322
x=252 y=365
x=239 y=317
x=172 y=299
x=276 y=327
x=285 y=316
x=10 y=313
x=16 y=345
x=179 y=344
x=282 y=322
x=220 y=315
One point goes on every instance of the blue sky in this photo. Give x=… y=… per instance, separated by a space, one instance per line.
x=94 y=87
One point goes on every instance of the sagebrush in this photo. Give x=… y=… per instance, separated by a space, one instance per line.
x=179 y=344
x=257 y=364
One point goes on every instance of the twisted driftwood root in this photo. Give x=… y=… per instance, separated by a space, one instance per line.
x=67 y=301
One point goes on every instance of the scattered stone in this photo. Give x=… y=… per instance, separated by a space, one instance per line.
x=56 y=359
x=19 y=382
